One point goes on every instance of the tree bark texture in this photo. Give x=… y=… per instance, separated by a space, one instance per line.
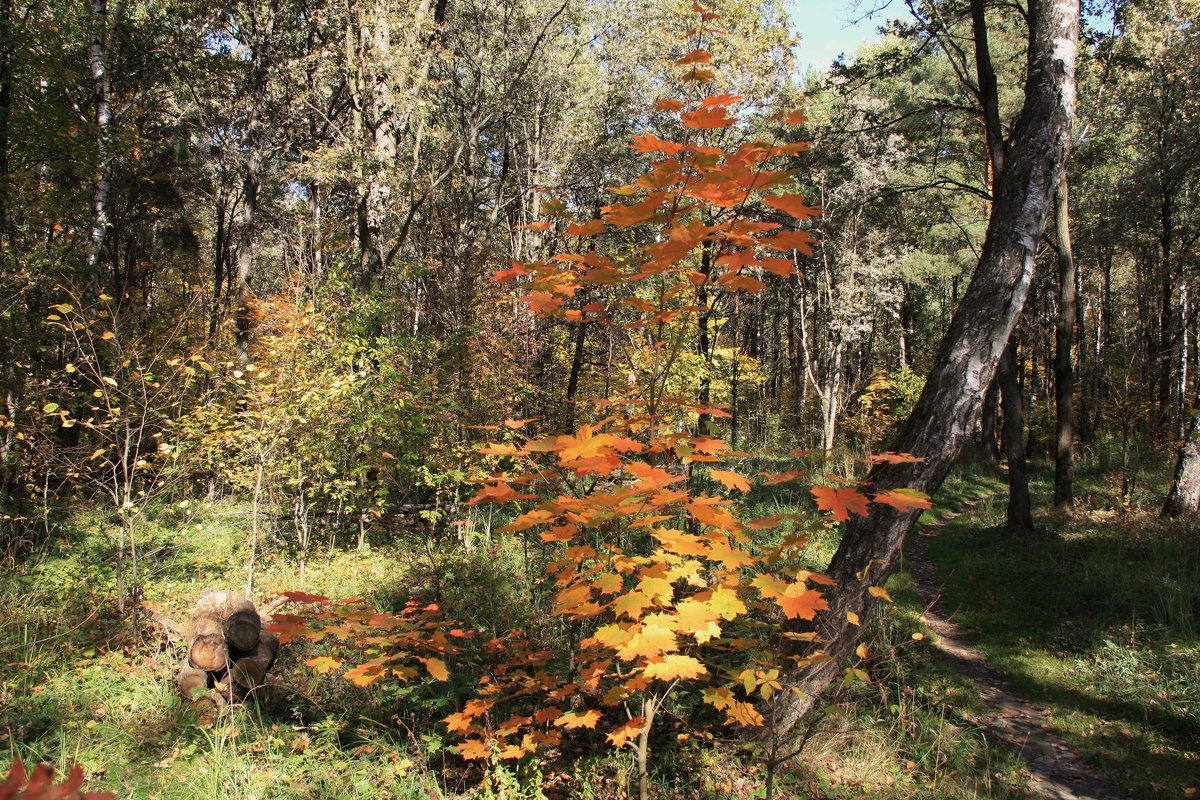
x=1184 y=497
x=1064 y=374
x=965 y=364
x=1020 y=514
x=102 y=86
x=261 y=63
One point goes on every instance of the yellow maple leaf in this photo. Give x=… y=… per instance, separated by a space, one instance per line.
x=323 y=664
x=437 y=669
x=649 y=641
x=675 y=667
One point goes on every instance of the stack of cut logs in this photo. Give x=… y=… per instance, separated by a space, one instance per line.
x=227 y=649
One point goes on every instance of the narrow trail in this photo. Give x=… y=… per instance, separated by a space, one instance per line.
x=1056 y=770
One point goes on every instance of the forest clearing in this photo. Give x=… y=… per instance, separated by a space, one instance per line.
x=550 y=399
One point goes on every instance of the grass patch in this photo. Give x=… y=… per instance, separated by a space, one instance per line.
x=1096 y=618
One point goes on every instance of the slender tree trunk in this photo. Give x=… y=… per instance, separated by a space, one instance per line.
x=1184 y=497
x=1064 y=377
x=6 y=14
x=703 y=344
x=245 y=256
x=965 y=364
x=1020 y=515
x=573 y=378
x=102 y=88
x=987 y=425
x=260 y=67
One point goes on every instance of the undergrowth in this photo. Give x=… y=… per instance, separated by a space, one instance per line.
x=1096 y=618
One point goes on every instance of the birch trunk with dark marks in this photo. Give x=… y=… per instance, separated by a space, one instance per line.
x=948 y=409
x=1020 y=514
x=1064 y=374
x=102 y=87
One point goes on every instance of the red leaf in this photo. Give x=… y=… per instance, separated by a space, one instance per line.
x=695 y=57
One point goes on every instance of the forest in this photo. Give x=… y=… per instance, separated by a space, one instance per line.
x=537 y=399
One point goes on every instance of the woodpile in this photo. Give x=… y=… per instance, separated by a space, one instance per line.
x=228 y=651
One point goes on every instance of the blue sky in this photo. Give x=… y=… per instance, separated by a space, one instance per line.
x=830 y=27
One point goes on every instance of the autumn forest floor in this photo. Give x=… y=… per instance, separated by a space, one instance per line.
x=1096 y=620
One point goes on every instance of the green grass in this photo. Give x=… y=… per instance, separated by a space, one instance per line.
x=1096 y=617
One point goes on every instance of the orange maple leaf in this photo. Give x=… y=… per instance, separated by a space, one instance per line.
x=498 y=493
x=474 y=750
x=730 y=479
x=904 y=499
x=783 y=267
x=589 y=228
x=543 y=302
x=578 y=719
x=624 y=216
x=631 y=605
x=800 y=601
x=792 y=204
x=789 y=240
x=840 y=502
x=888 y=457
x=741 y=283
x=698 y=619
x=649 y=143
x=710 y=118
x=629 y=730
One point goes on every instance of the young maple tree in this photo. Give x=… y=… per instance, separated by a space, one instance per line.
x=664 y=587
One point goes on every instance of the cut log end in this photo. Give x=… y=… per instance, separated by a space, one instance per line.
x=191 y=683
x=243 y=628
x=250 y=670
x=209 y=653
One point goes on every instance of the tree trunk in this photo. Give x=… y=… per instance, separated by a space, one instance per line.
x=1020 y=516
x=987 y=425
x=261 y=63
x=1184 y=497
x=967 y=357
x=1064 y=376
x=102 y=86
x=573 y=378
